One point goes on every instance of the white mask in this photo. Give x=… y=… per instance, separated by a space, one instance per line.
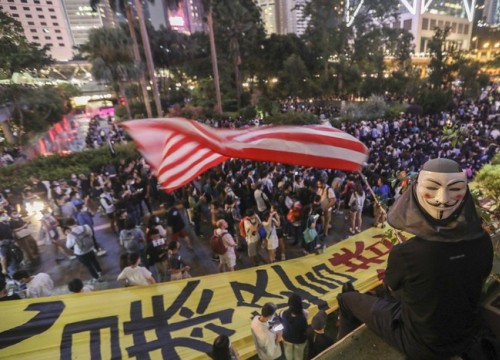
x=440 y=194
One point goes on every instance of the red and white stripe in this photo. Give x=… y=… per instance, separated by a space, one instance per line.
x=180 y=149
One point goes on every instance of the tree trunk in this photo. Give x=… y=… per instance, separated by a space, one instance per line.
x=235 y=47
x=149 y=57
x=121 y=91
x=215 y=67
x=137 y=57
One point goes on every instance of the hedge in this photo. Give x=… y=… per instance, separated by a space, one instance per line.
x=59 y=166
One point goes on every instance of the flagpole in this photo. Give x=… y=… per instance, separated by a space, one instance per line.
x=396 y=232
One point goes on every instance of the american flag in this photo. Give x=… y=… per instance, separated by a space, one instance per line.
x=179 y=149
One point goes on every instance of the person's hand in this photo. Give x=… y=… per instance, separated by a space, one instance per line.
x=279 y=337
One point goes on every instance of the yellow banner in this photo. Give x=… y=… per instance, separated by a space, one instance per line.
x=181 y=319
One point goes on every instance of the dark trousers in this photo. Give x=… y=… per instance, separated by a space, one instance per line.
x=89 y=260
x=382 y=316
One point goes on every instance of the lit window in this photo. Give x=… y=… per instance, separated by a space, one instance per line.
x=425 y=24
x=407 y=24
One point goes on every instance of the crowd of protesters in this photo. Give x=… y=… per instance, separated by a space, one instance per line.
x=262 y=209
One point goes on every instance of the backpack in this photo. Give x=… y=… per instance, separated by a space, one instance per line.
x=84 y=240
x=13 y=252
x=243 y=232
x=217 y=244
x=129 y=241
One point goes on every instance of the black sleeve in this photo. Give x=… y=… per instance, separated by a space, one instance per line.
x=395 y=271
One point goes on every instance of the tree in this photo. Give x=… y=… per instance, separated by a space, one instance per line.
x=34 y=109
x=442 y=66
x=294 y=79
x=276 y=49
x=109 y=51
x=350 y=48
x=17 y=53
x=122 y=5
x=239 y=25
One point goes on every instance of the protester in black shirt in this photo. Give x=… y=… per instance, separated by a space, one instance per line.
x=317 y=340
x=436 y=277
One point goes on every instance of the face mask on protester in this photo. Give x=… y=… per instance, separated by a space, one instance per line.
x=441 y=194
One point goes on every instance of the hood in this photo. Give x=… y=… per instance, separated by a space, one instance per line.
x=407 y=215
x=77 y=230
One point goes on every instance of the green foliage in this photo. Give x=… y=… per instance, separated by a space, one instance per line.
x=454 y=134
x=375 y=107
x=17 y=53
x=488 y=179
x=443 y=64
x=267 y=107
x=434 y=100
x=395 y=110
x=496 y=159
x=248 y=112
x=292 y=118
x=62 y=166
x=120 y=112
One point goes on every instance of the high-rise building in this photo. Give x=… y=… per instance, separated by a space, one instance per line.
x=270 y=15
x=82 y=19
x=422 y=17
x=61 y=24
x=491 y=12
x=44 y=23
x=283 y=16
x=188 y=17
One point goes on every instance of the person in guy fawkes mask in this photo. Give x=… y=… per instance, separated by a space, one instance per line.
x=434 y=279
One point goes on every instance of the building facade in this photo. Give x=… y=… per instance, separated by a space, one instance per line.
x=422 y=17
x=61 y=24
x=187 y=18
x=491 y=12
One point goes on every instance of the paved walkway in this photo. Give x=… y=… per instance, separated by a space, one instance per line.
x=200 y=259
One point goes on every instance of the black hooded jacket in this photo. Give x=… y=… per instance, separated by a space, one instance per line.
x=438 y=274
